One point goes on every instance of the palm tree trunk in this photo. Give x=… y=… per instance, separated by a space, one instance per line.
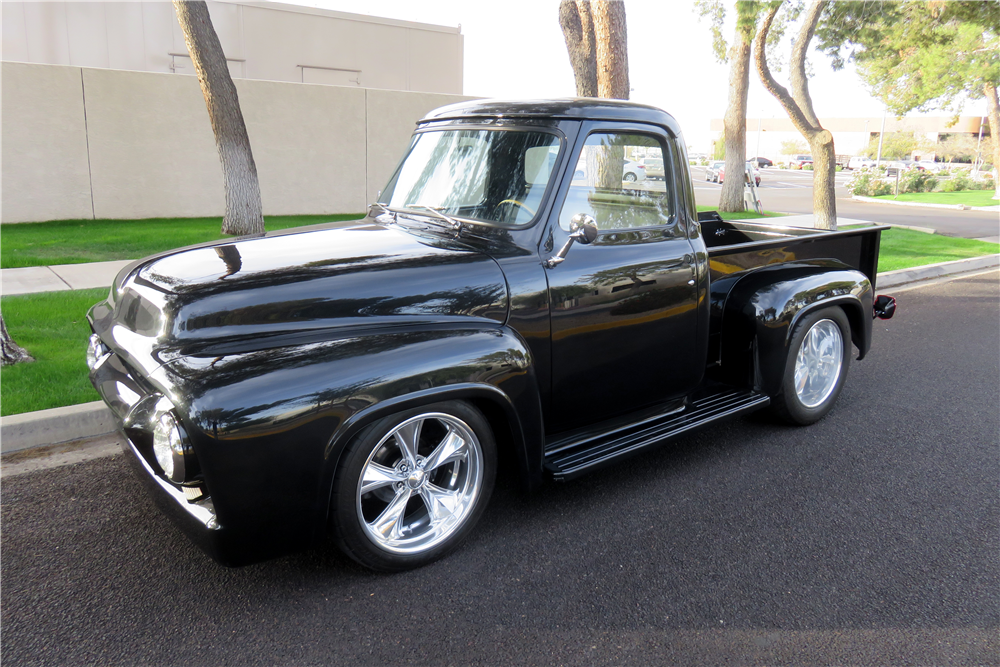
x=611 y=35
x=735 y=123
x=243 y=207
x=993 y=106
x=578 y=30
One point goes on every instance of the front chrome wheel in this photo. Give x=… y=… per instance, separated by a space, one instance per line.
x=420 y=483
x=411 y=486
x=818 y=363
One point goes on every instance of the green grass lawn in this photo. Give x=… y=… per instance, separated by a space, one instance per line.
x=906 y=248
x=966 y=197
x=53 y=328
x=80 y=241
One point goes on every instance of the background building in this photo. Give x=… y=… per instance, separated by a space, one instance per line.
x=103 y=118
x=262 y=40
x=851 y=136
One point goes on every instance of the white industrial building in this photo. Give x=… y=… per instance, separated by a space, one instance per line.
x=262 y=40
x=103 y=118
x=851 y=136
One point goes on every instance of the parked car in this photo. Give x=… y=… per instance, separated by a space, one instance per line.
x=860 y=162
x=712 y=171
x=799 y=161
x=750 y=165
x=632 y=171
x=932 y=166
x=654 y=167
x=761 y=162
x=362 y=380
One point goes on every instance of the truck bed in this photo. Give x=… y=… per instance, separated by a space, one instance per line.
x=735 y=247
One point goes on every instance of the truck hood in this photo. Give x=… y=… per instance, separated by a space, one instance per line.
x=249 y=291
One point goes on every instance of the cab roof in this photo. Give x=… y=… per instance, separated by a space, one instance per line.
x=569 y=108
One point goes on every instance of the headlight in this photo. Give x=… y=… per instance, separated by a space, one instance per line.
x=173 y=454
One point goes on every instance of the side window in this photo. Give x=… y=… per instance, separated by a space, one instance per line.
x=620 y=180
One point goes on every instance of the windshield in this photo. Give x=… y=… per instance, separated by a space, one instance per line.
x=497 y=176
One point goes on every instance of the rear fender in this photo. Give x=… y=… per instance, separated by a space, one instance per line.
x=763 y=309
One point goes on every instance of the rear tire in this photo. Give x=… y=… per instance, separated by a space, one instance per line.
x=411 y=487
x=818 y=358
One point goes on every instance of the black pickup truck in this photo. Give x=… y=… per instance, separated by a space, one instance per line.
x=512 y=296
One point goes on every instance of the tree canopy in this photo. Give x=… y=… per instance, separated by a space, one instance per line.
x=916 y=54
x=920 y=54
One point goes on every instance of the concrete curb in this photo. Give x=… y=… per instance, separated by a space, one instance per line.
x=55 y=426
x=930 y=271
x=90 y=420
x=871 y=200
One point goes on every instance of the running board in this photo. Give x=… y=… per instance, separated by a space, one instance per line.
x=575 y=460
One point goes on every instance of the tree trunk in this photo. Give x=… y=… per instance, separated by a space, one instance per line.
x=800 y=111
x=735 y=123
x=10 y=352
x=611 y=36
x=577 y=25
x=993 y=106
x=243 y=207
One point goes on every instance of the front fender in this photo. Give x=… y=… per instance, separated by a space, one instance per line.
x=763 y=309
x=269 y=426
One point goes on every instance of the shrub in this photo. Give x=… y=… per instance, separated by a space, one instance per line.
x=914 y=180
x=867 y=183
x=959 y=181
x=807 y=166
x=881 y=188
x=840 y=168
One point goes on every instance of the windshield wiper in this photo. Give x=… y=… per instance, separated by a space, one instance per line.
x=453 y=224
x=381 y=212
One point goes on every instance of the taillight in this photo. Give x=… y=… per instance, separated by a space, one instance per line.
x=884 y=307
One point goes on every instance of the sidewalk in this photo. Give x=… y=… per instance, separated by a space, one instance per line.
x=32 y=279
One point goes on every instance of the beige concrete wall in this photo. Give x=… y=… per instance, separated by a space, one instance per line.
x=80 y=143
x=309 y=145
x=44 y=144
x=152 y=151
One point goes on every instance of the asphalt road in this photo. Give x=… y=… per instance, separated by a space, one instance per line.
x=791 y=192
x=872 y=537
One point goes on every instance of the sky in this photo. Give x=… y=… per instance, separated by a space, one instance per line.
x=515 y=49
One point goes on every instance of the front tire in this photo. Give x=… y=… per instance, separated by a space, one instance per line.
x=411 y=487
x=818 y=359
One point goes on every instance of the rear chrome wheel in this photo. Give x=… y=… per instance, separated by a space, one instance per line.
x=413 y=485
x=818 y=363
x=818 y=359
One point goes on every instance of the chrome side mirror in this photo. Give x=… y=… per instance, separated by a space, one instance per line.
x=582 y=228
